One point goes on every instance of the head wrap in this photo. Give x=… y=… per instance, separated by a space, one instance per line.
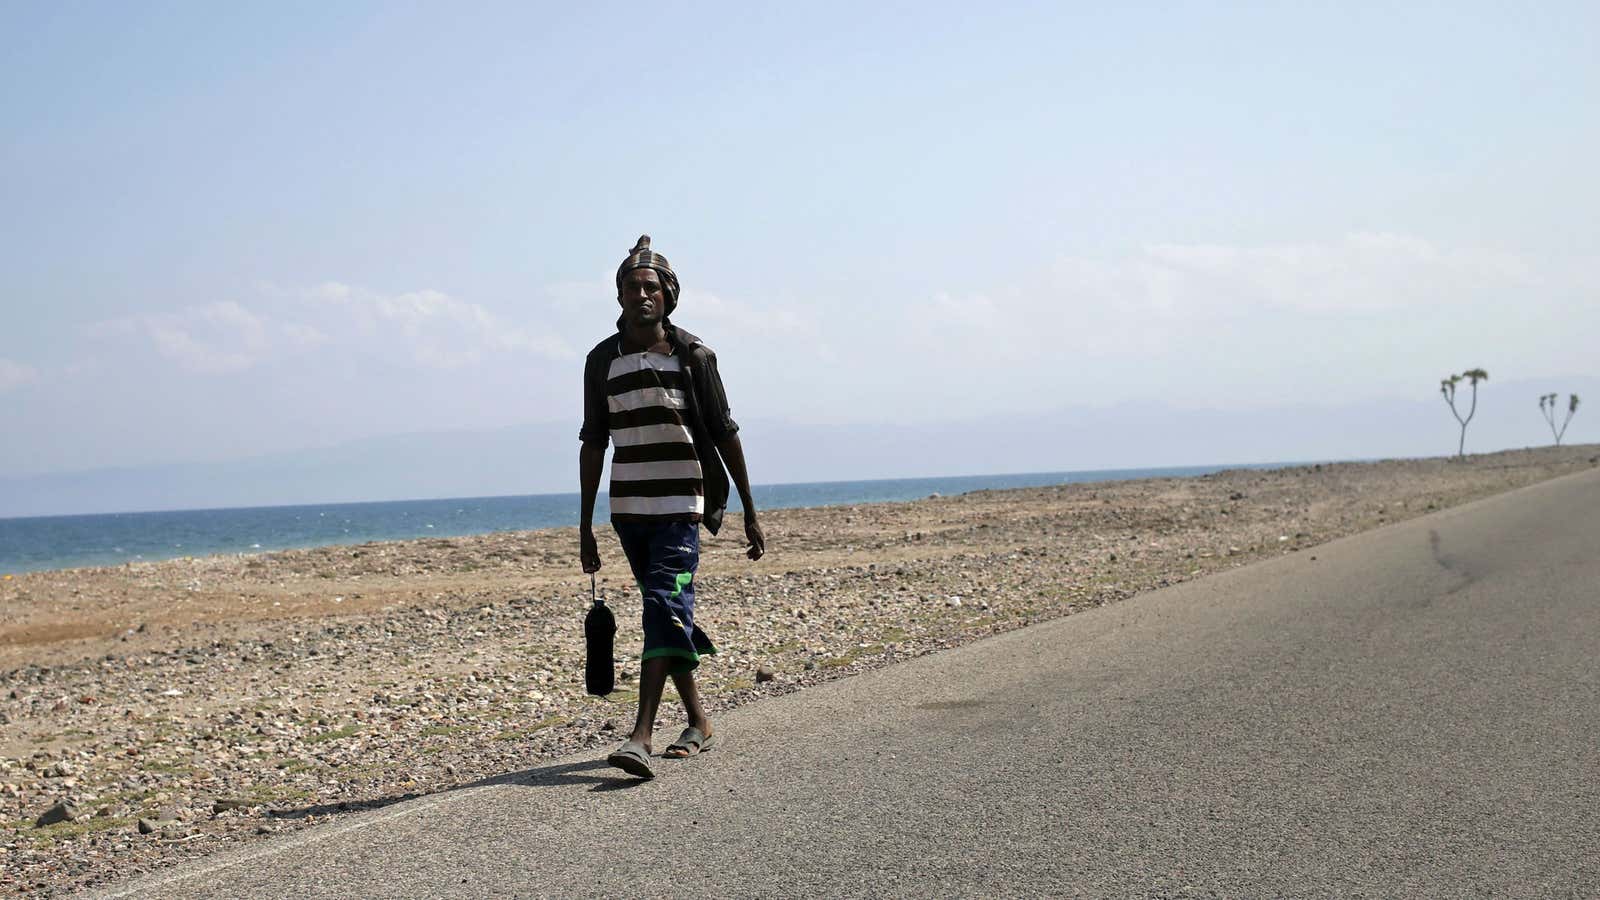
x=642 y=257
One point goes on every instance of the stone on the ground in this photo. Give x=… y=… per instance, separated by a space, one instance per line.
x=765 y=673
x=62 y=811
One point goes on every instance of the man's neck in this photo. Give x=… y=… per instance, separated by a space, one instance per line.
x=644 y=337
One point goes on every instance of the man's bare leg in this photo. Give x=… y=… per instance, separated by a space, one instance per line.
x=652 y=680
x=689 y=692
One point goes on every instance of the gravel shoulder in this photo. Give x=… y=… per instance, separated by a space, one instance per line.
x=171 y=709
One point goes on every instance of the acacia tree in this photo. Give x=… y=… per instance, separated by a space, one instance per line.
x=1547 y=405
x=1447 y=387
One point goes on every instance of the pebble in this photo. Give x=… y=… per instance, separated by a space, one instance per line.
x=62 y=811
x=764 y=674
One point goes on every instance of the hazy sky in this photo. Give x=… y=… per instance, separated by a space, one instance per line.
x=226 y=232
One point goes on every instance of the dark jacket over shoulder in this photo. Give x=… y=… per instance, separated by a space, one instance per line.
x=706 y=401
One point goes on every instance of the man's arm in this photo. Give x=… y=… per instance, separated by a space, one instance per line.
x=733 y=457
x=591 y=460
x=595 y=434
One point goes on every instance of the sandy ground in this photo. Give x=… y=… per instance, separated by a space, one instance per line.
x=183 y=706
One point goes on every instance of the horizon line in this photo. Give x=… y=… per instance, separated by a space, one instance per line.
x=733 y=500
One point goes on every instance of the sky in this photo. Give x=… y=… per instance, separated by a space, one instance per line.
x=231 y=231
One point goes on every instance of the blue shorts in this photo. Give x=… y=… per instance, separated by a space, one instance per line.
x=664 y=556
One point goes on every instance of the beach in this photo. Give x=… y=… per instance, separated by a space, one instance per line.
x=188 y=705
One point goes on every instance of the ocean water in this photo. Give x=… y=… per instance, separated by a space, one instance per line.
x=58 y=542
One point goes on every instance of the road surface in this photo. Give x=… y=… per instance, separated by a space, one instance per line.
x=1407 y=712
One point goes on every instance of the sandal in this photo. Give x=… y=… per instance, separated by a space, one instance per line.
x=632 y=758
x=690 y=743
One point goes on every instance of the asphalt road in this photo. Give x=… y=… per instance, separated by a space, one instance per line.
x=1408 y=712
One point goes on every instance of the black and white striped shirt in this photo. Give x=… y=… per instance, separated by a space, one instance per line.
x=665 y=412
x=655 y=472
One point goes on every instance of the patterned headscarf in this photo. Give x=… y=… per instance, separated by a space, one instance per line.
x=642 y=257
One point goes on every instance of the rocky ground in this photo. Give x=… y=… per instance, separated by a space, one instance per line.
x=161 y=711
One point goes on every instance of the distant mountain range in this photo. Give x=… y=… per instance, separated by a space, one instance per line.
x=543 y=458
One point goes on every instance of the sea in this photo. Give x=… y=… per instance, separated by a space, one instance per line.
x=38 y=543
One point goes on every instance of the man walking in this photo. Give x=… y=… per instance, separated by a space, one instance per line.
x=654 y=390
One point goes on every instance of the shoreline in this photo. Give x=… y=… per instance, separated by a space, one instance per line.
x=223 y=698
x=782 y=495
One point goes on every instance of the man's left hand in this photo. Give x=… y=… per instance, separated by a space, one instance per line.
x=757 y=539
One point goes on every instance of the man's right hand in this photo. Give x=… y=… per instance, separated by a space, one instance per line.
x=588 y=551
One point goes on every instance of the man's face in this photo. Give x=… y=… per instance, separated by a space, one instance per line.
x=642 y=298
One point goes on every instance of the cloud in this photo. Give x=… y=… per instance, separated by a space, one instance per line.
x=303 y=335
x=14 y=375
x=434 y=329
x=219 y=337
x=215 y=338
x=1361 y=272
x=1174 y=288
x=1225 y=325
x=1228 y=326
x=725 y=319
x=439 y=330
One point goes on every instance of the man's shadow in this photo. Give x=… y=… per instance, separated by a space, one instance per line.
x=544 y=776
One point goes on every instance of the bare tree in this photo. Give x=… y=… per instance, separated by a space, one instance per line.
x=1547 y=405
x=1447 y=387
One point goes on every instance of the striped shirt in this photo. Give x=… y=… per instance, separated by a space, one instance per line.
x=655 y=472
